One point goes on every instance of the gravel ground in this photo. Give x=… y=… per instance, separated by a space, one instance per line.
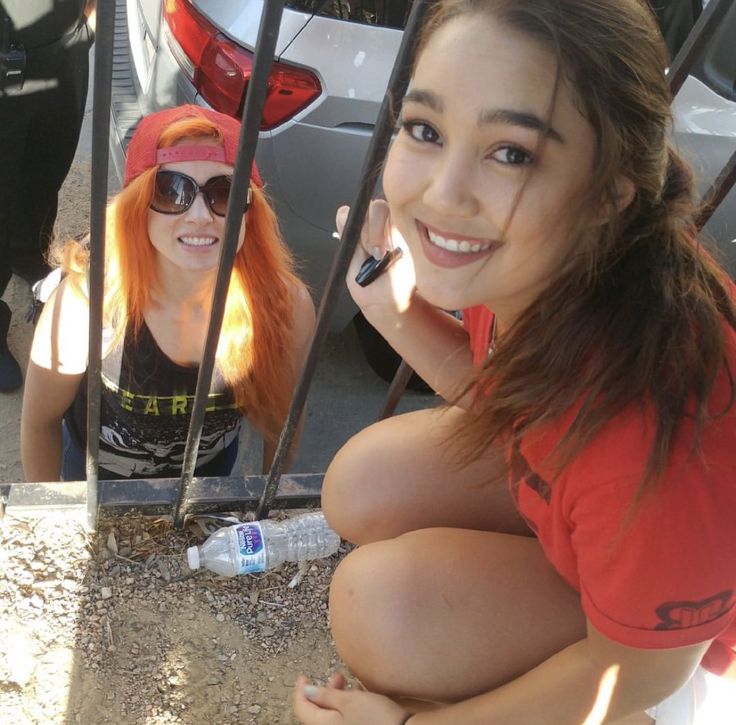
x=114 y=628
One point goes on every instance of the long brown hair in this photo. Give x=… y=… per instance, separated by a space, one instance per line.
x=636 y=315
x=253 y=352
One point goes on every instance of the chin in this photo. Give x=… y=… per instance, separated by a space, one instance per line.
x=443 y=299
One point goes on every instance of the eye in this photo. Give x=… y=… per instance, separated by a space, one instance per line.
x=513 y=156
x=420 y=131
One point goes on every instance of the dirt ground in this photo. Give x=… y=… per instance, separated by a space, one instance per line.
x=113 y=628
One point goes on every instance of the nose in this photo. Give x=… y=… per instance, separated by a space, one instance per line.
x=451 y=189
x=199 y=210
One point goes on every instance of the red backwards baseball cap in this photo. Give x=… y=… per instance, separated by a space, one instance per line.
x=144 y=152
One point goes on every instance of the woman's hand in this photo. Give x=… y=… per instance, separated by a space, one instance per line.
x=391 y=293
x=334 y=704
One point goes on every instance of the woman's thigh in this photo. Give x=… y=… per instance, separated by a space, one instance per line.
x=445 y=614
x=400 y=474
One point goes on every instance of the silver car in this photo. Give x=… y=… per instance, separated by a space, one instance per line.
x=333 y=61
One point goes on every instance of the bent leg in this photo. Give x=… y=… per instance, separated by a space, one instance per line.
x=445 y=614
x=399 y=475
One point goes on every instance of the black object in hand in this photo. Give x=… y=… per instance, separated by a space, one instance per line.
x=373 y=268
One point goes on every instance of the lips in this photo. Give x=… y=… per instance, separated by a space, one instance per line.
x=448 y=249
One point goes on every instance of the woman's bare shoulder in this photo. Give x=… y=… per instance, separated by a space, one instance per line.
x=303 y=306
x=303 y=318
x=60 y=341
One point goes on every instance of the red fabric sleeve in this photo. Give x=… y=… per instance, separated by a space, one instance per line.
x=664 y=576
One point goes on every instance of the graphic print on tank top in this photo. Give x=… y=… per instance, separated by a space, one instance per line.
x=146 y=406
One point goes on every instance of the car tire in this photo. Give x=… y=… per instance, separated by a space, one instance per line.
x=382 y=358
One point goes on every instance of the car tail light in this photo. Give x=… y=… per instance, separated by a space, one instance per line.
x=220 y=69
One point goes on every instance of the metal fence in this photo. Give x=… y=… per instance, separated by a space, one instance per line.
x=190 y=494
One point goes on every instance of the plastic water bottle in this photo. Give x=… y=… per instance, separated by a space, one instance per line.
x=255 y=546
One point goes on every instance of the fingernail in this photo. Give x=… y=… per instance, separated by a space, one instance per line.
x=310 y=691
x=377 y=252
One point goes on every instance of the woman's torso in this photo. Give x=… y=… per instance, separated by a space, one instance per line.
x=655 y=572
x=146 y=405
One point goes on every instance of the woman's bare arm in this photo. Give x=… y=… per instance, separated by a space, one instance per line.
x=57 y=365
x=591 y=682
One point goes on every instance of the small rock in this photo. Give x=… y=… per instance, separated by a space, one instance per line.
x=220 y=617
x=254 y=709
x=105 y=592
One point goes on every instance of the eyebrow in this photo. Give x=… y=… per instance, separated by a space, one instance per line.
x=496 y=116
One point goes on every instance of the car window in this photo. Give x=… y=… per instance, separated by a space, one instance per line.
x=384 y=13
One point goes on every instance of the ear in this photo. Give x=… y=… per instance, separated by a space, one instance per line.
x=625 y=190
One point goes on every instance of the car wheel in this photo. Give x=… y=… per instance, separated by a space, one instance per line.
x=382 y=358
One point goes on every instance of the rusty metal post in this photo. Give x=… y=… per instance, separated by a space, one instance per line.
x=98 y=202
x=255 y=99
x=717 y=192
x=371 y=168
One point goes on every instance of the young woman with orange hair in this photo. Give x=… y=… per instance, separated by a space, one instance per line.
x=164 y=234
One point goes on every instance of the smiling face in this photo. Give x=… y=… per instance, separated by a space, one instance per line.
x=191 y=240
x=470 y=137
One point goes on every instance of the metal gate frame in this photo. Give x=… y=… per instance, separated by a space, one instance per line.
x=189 y=494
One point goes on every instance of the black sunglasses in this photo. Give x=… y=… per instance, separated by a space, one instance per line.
x=174 y=193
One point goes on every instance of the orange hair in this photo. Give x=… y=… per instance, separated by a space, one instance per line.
x=253 y=353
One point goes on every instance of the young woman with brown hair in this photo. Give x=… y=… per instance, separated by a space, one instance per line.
x=164 y=234
x=557 y=544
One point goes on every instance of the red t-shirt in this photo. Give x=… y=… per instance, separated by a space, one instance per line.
x=665 y=576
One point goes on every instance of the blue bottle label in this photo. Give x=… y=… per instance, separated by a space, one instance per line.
x=252 y=550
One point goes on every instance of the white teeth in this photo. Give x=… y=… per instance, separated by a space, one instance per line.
x=453 y=245
x=198 y=241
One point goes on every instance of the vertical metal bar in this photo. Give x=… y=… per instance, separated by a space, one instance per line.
x=254 y=101
x=396 y=389
x=98 y=200
x=717 y=192
x=371 y=168
x=696 y=41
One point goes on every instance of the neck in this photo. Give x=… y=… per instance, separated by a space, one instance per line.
x=184 y=288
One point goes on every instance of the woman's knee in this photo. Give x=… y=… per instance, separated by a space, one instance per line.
x=374 y=607
x=352 y=499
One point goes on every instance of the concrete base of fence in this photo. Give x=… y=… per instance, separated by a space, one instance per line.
x=157 y=497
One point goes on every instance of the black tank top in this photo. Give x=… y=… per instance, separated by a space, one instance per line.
x=146 y=405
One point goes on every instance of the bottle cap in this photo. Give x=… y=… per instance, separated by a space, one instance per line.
x=193 y=557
